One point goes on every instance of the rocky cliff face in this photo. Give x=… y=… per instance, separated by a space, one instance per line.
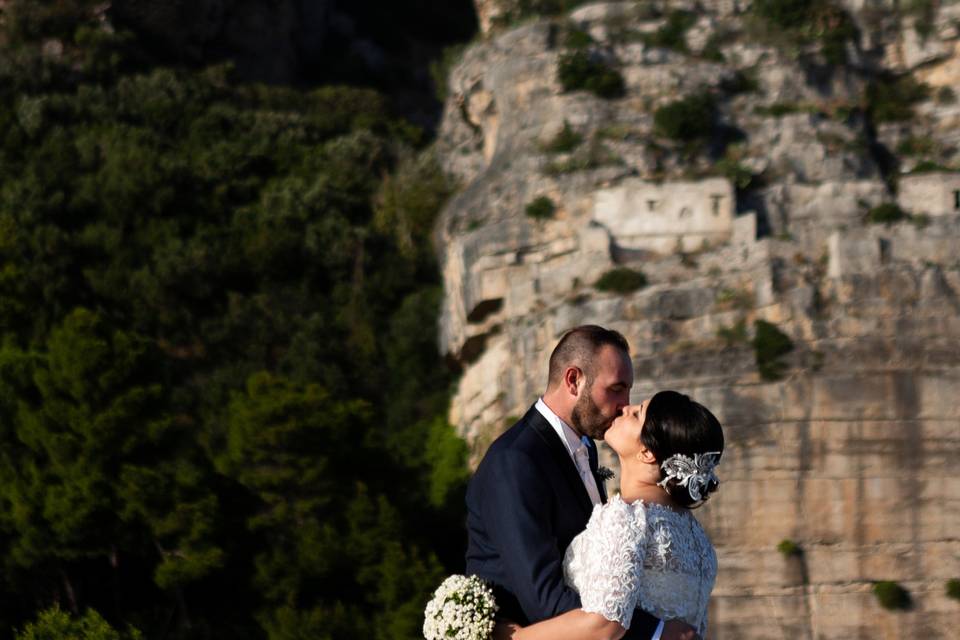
x=799 y=208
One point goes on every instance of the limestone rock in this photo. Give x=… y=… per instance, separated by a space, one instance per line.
x=853 y=452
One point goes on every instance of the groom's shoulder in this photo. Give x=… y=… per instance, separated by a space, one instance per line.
x=521 y=436
x=519 y=451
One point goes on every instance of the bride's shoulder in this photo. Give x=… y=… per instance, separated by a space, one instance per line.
x=618 y=512
x=641 y=510
x=641 y=505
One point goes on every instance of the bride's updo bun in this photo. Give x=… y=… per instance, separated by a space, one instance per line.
x=677 y=425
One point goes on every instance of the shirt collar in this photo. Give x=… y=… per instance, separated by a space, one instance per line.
x=567 y=435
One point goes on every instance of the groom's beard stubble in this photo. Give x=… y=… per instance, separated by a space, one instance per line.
x=588 y=419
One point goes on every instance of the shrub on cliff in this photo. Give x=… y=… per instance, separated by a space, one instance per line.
x=810 y=21
x=576 y=38
x=885 y=213
x=687 y=119
x=953 y=588
x=672 y=35
x=891 y=595
x=789 y=549
x=566 y=140
x=892 y=99
x=621 y=280
x=785 y=14
x=770 y=345
x=541 y=208
x=579 y=70
x=733 y=335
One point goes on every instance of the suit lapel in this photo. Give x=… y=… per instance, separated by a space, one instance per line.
x=563 y=460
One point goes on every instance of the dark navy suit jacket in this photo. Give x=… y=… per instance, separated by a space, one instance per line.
x=525 y=503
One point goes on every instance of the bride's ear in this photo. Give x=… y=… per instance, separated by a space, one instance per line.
x=646 y=456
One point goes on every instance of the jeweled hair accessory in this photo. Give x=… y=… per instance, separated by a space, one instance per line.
x=694 y=473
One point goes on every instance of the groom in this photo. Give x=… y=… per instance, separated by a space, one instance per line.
x=537 y=484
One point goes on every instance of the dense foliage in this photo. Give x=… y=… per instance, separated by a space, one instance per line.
x=221 y=405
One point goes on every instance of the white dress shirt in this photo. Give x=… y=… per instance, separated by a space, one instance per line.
x=575 y=447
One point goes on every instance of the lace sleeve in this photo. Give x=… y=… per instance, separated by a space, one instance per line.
x=612 y=548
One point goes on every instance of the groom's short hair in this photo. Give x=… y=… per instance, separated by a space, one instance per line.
x=578 y=347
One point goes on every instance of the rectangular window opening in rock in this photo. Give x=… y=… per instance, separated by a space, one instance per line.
x=956 y=199
x=884 y=251
x=716 y=203
x=651 y=205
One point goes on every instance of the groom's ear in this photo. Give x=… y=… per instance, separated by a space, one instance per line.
x=572 y=380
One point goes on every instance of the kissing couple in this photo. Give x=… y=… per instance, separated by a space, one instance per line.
x=563 y=560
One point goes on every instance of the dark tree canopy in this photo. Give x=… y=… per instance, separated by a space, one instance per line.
x=222 y=410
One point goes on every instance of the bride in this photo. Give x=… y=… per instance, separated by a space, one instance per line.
x=644 y=548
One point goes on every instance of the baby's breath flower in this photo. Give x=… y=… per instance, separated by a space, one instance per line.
x=462 y=608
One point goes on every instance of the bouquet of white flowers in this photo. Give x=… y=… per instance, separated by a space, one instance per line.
x=462 y=608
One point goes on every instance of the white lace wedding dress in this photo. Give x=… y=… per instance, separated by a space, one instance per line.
x=642 y=555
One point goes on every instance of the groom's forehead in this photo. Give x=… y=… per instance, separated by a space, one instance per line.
x=613 y=365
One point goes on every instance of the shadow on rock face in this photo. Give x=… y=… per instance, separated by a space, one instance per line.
x=386 y=45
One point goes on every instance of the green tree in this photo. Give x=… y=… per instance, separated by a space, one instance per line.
x=54 y=624
x=187 y=261
x=333 y=562
x=96 y=466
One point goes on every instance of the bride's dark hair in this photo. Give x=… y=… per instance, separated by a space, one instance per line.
x=675 y=424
